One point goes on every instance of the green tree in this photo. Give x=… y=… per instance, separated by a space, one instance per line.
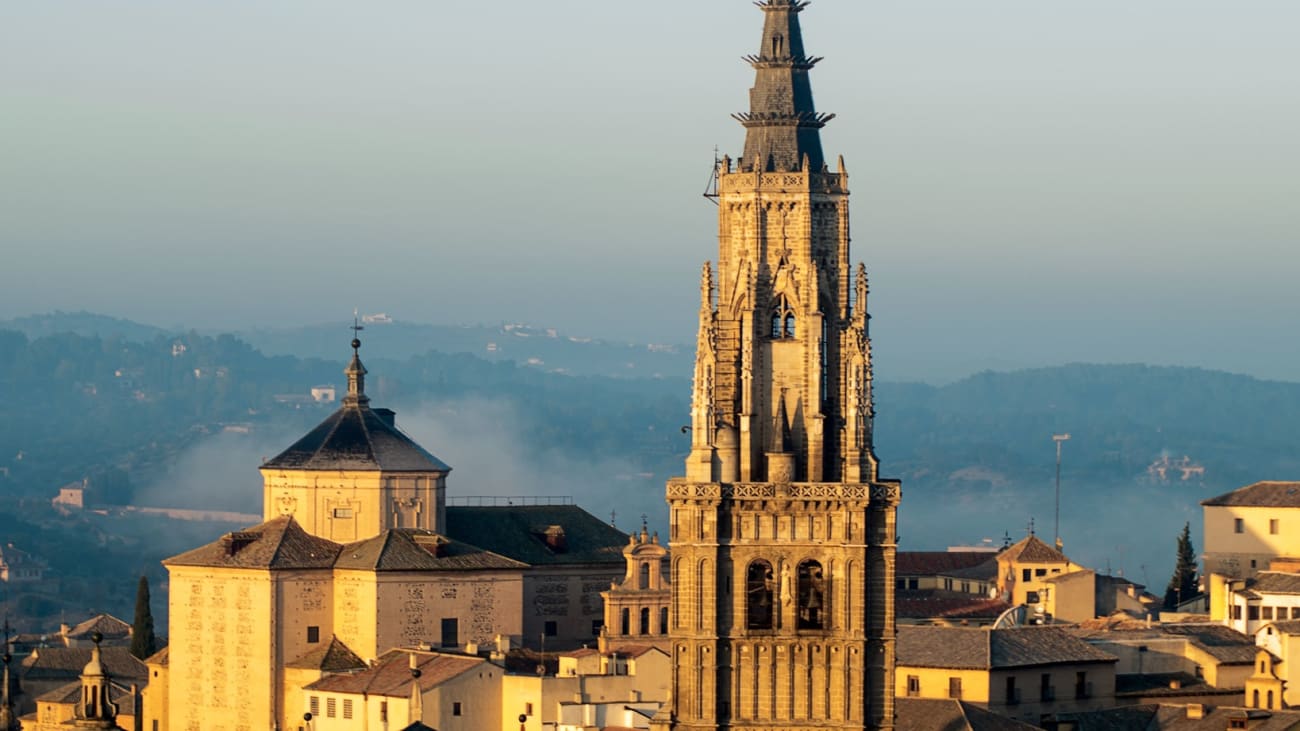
x=1182 y=585
x=143 y=641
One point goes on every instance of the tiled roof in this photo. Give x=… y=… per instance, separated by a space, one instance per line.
x=1174 y=718
x=986 y=649
x=71 y=693
x=963 y=564
x=937 y=604
x=1274 y=582
x=333 y=657
x=161 y=657
x=1127 y=718
x=357 y=437
x=938 y=714
x=1287 y=627
x=106 y=624
x=279 y=543
x=519 y=532
x=1266 y=494
x=391 y=674
x=1158 y=685
x=58 y=663
x=410 y=549
x=1222 y=643
x=1033 y=550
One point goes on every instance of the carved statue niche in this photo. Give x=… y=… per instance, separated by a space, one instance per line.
x=759 y=587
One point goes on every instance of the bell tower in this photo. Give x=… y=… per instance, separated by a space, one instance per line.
x=783 y=534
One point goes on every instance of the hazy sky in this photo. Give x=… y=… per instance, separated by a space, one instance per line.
x=1034 y=182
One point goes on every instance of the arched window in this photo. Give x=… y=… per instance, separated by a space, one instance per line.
x=783 y=320
x=758 y=595
x=644 y=581
x=1255 y=704
x=663 y=620
x=811 y=596
x=645 y=620
x=626 y=624
x=1270 y=699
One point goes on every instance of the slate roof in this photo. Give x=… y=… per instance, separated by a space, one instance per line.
x=1174 y=718
x=59 y=663
x=960 y=564
x=332 y=657
x=1265 y=494
x=989 y=649
x=391 y=674
x=518 y=532
x=941 y=714
x=1287 y=627
x=938 y=604
x=70 y=694
x=357 y=437
x=411 y=549
x=279 y=543
x=1224 y=644
x=1157 y=685
x=106 y=624
x=1275 y=582
x=1033 y=550
x=1127 y=718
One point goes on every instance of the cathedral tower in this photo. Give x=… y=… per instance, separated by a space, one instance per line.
x=782 y=532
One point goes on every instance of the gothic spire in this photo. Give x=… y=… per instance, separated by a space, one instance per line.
x=781 y=124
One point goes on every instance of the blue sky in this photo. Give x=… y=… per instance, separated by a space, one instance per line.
x=1033 y=182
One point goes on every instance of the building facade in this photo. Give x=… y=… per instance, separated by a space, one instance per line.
x=782 y=532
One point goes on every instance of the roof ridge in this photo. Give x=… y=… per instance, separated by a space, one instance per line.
x=333 y=428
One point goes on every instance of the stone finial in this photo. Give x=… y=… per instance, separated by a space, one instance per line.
x=706 y=288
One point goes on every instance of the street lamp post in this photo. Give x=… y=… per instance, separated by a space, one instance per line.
x=1059 y=439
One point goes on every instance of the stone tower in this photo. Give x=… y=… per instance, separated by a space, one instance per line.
x=783 y=534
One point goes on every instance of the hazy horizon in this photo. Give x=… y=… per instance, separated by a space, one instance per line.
x=1032 y=184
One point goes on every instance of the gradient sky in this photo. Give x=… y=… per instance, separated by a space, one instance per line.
x=1033 y=182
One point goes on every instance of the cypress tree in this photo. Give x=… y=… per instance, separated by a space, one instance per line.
x=1182 y=585
x=143 y=641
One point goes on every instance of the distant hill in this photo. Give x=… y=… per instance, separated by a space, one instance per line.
x=86 y=324
x=535 y=347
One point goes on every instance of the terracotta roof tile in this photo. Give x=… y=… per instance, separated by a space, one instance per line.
x=947 y=563
x=937 y=604
x=939 y=714
x=106 y=624
x=1033 y=550
x=1275 y=582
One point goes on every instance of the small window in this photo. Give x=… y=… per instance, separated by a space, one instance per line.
x=331 y=707
x=455 y=708
x=1252 y=613
x=663 y=620
x=1272 y=526
x=625 y=622
x=954 y=688
x=383 y=711
x=965 y=587
x=645 y=620
x=551 y=629
x=1040 y=572
x=947 y=584
x=313 y=705
x=1026 y=575
x=342 y=512
x=347 y=708
x=1238 y=525
x=1236 y=611
x=528 y=709
x=313 y=635
x=1266 y=612
x=914 y=584
x=900 y=583
x=450 y=632
x=913 y=685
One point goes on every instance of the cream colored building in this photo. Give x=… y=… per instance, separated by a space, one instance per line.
x=1280 y=641
x=1251 y=527
x=637 y=608
x=782 y=530
x=359 y=554
x=1021 y=673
